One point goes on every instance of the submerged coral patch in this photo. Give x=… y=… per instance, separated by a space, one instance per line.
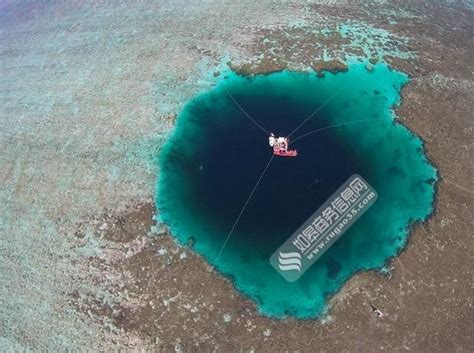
x=210 y=166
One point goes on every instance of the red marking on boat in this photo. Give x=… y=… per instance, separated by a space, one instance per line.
x=290 y=153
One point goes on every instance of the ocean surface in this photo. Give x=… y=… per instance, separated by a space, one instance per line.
x=216 y=154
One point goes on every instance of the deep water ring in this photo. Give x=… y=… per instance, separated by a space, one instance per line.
x=211 y=162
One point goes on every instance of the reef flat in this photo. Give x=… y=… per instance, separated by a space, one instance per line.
x=89 y=92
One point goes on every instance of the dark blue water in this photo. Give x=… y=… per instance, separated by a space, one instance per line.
x=216 y=155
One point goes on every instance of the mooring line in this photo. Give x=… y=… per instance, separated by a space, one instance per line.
x=317 y=110
x=246 y=114
x=336 y=125
x=243 y=208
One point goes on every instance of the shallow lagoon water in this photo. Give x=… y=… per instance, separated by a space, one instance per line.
x=211 y=162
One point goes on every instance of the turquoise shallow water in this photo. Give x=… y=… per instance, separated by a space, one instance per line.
x=215 y=155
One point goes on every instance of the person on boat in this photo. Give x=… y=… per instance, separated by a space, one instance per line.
x=282 y=144
x=271 y=140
